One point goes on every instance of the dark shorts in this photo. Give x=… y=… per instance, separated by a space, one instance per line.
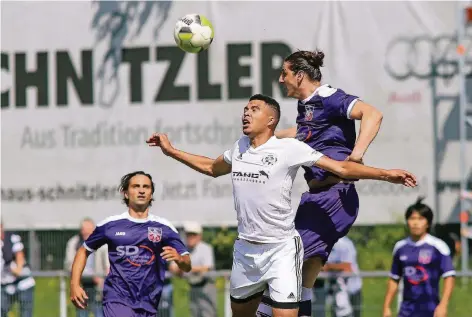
x=120 y=310
x=324 y=216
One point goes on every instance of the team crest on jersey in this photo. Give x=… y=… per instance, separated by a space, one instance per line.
x=269 y=160
x=309 y=109
x=425 y=256
x=154 y=234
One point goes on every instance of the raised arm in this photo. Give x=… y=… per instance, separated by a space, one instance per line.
x=205 y=165
x=371 y=118
x=352 y=170
x=286 y=133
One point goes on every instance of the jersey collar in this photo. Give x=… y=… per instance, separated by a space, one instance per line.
x=304 y=101
x=426 y=239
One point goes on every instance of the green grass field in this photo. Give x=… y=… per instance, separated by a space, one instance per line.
x=47 y=298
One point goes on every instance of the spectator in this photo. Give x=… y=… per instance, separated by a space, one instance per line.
x=96 y=268
x=343 y=258
x=202 y=289
x=318 y=304
x=17 y=282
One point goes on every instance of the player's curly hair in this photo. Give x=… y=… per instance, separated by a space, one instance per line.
x=124 y=184
x=421 y=208
x=306 y=62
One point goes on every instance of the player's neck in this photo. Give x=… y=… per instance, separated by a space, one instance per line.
x=308 y=90
x=260 y=139
x=416 y=238
x=138 y=213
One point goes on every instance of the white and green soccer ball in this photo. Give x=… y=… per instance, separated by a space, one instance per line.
x=193 y=33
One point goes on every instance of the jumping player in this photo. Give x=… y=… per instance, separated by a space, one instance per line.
x=139 y=245
x=268 y=252
x=421 y=260
x=325 y=122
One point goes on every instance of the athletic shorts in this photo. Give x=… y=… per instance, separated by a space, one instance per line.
x=120 y=310
x=273 y=266
x=324 y=216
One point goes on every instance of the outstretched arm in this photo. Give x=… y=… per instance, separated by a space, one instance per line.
x=352 y=170
x=371 y=118
x=286 y=133
x=205 y=165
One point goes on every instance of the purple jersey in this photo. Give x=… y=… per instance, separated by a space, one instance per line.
x=324 y=123
x=137 y=271
x=421 y=264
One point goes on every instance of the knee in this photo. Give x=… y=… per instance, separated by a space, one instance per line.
x=311 y=269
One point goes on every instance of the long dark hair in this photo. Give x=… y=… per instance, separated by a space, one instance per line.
x=306 y=62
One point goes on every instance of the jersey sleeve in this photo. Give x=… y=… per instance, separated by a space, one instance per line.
x=228 y=155
x=96 y=239
x=340 y=104
x=396 y=269
x=301 y=154
x=446 y=267
x=172 y=239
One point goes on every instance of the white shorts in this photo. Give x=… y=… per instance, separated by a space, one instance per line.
x=276 y=266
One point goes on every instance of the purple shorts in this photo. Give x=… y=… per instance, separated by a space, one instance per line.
x=324 y=216
x=120 y=310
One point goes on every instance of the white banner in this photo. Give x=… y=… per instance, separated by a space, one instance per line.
x=85 y=83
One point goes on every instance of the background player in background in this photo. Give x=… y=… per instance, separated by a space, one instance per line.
x=325 y=122
x=421 y=260
x=139 y=244
x=268 y=253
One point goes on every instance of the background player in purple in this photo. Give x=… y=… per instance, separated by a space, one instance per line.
x=139 y=244
x=421 y=260
x=325 y=121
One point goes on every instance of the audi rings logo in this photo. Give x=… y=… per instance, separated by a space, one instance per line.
x=424 y=57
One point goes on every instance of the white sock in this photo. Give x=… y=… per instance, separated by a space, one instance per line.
x=307 y=294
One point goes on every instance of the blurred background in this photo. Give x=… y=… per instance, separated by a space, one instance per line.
x=83 y=84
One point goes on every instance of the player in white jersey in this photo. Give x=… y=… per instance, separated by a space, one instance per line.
x=268 y=252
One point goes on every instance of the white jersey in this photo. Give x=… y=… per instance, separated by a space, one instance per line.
x=262 y=185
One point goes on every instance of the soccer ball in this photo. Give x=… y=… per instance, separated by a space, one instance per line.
x=193 y=33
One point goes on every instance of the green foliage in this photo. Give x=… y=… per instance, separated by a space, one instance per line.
x=222 y=242
x=375 y=244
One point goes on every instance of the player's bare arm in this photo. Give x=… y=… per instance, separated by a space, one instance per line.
x=286 y=133
x=182 y=261
x=392 y=288
x=338 y=267
x=441 y=309
x=371 y=119
x=77 y=293
x=211 y=167
x=352 y=170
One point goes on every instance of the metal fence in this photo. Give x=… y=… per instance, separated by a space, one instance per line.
x=51 y=296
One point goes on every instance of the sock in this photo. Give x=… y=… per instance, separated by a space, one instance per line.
x=305 y=304
x=264 y=309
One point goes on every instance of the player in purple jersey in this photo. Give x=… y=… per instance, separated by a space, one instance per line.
x=325 y=121
x=139 y=245
x=421 y=260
